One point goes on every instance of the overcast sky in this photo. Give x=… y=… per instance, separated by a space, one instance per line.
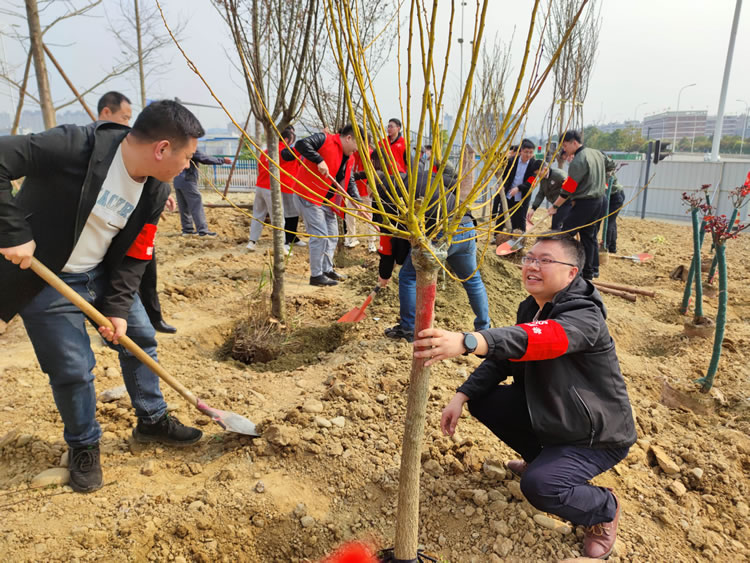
x=648 y=50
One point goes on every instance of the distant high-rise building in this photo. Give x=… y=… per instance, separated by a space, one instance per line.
x=733 y=125
x=670 y=124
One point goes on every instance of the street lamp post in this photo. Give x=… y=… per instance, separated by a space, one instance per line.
x=635 y=111
x=677 y=116
x=744 y=125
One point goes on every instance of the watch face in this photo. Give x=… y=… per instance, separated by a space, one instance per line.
x=470 y=342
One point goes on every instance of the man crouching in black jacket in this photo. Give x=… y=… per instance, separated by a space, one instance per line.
x=567 y=412
x=88 y=209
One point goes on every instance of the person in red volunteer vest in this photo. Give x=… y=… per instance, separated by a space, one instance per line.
x=396 y=145
x=324 y=157
x=262 y=203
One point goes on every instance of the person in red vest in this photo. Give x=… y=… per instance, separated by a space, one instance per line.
x=396 y=144
x=350 y=241
x=325 y=162
x=262 y=203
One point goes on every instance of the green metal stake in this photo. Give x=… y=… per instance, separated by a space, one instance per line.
x=691 y=273
x=606 y=214
x=721 y=320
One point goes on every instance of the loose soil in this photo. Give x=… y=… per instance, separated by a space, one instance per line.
x=331 y=409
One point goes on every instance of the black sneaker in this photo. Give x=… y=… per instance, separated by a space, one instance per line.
x=397 y=332
x=334 y=275
x=207 y=234
x=168 y=430
x=322 y=280
x=85 y=469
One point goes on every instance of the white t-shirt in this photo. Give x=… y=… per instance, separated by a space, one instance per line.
x=115 y=203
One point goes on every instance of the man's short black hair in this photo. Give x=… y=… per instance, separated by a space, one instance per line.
x=428 y=147
x=396 y=121
x=168 y=120
x=347 y=129
x=526 y=144
x=570 y=136
x=288 y=134
x=572 y=247
x=112 y=100
x=514 y=148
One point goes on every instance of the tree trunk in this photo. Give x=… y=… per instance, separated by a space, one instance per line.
x=69 y=83
x=721 y=320
x=407 y=516
x=21 y=95
x=40 y=65
x=141 y=75
x=278 y=310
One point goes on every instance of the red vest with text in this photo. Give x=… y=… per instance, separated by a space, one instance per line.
x=310 y=185
x=288 y=172
x=398 y=150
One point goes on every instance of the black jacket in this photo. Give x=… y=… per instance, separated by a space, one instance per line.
x=575 y=392
x=510 y=173
x=189 y=176
x=64 y=169
x=308 y=148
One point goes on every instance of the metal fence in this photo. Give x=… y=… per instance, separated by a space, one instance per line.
x=243 y=178
x=670 y=179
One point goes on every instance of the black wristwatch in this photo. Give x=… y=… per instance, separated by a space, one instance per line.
x=470 y=343
x=555 y=206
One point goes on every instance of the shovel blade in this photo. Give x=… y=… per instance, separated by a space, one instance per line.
x=509 y=247
x=230 y=421
x=351 y=316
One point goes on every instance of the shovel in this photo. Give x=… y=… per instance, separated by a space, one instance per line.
x=358 y=313
x=227 y=420
x=510 y=247
x=642 y=257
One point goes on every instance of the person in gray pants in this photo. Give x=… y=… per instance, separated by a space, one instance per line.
x=189 y=200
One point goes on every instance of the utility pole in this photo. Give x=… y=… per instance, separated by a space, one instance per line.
x=725 y=84
x=40 y=66
x=141 y=76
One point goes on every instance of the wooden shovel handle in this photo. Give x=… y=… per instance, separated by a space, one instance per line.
x=90 y=311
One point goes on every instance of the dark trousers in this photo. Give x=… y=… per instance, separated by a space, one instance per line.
x=148 y=293
x=556 y=479
x=559 y=218
x=290 y=226
x=583 y=212
x=190 y=203
x=517 y=218
x=615 y=203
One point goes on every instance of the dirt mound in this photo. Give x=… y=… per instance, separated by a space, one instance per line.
x=331 y=408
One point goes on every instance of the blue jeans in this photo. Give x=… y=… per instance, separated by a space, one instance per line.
x=57 y=330
x=462 y=258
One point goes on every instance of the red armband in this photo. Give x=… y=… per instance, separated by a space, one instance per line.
x=384 y=246
x=143 y=246
x=569 y=185
x=546 y=340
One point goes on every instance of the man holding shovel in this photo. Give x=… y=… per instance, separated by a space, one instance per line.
x=88 y=209
x=567 y=412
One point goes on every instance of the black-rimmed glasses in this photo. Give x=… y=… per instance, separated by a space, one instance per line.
x=542 y=262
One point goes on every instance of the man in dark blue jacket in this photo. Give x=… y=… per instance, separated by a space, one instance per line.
x=88 y=209
x=567 y=412
x=189 y=200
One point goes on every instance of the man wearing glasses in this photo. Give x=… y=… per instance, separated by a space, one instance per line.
x=567 y=412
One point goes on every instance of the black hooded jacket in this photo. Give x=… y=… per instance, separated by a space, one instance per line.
x=568 y=367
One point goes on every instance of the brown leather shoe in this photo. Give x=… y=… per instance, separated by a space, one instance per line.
x=517 y=466
x=599 y=539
